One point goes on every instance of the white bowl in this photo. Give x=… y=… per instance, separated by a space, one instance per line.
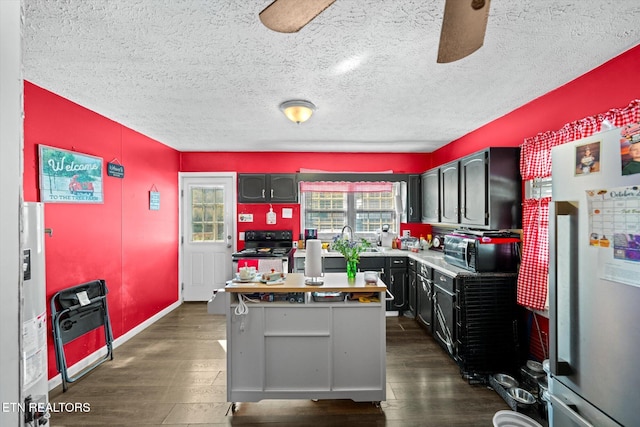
x=371 y=277
x=506 y=418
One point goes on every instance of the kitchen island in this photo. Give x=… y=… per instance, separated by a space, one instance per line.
x=282 y=343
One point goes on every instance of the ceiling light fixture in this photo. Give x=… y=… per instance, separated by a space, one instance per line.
x=297 y=111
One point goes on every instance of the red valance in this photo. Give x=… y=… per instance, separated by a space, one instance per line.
x=346 y=187
x=535 y=155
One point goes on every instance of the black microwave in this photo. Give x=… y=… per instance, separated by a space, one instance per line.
x=482 y=253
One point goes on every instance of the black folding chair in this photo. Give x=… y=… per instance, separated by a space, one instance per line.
x=74 y=312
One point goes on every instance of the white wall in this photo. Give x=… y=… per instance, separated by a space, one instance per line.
x=11 y=189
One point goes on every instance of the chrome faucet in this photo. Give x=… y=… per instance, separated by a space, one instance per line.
x=350 y=232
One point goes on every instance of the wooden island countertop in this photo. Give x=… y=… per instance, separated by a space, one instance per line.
x=294 y=282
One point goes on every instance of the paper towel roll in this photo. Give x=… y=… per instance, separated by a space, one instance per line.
x=313 y=258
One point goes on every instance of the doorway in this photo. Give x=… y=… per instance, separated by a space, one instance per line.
x=207 y=216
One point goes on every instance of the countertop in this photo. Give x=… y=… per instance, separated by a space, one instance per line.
x=434 y=259
x=294 y=282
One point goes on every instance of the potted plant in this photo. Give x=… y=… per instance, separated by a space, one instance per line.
x=350 y=250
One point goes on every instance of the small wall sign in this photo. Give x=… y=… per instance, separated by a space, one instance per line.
x=154 y=200
x=115 y=170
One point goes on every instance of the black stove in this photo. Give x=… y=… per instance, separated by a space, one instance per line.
x=263 y=252
x=267 y=244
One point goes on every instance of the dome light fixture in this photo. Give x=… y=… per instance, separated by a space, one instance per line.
x=297 y=110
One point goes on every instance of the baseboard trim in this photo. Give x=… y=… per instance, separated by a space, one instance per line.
x=98 y=354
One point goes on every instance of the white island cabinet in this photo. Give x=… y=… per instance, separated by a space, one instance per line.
x=307 y=349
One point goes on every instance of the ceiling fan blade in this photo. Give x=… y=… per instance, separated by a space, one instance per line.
x=289 y=16
x=463 y=27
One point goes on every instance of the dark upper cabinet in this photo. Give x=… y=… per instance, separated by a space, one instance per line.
x=272 y=188
x=431 y=196
x=283 y=188
x=491 y=189
x=473 y=190
x=252 y=188
x=449 y=186
x=414 y=197
x=482 y=190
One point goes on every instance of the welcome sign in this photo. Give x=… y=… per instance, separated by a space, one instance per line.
x=69 y=177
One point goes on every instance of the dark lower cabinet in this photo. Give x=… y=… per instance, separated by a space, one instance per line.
x=444 y=322
x=424 y=285
x=412 y=278
x=397 y=284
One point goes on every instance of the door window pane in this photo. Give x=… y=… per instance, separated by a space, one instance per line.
x=207 y=214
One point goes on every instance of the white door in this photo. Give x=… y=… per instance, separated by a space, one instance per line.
x=208 y=212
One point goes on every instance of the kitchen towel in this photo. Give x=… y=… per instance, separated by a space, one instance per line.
x=266 y=265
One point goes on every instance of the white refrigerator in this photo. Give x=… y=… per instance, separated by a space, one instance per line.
x=594 y=284
x=33 y=347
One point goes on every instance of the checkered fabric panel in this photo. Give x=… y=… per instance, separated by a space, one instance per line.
x=534 y=267
x=535 y=162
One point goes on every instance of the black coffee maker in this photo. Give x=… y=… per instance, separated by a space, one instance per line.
x=310 y=233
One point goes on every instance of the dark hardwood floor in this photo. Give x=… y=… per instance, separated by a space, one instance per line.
x=174 y=374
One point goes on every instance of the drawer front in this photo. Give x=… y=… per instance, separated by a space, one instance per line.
x=334 y=264
x=296 y=320
x=395 y=262
x=445 y=282
x=373 y=263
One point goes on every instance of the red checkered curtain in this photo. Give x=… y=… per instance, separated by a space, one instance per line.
x=535 y=163
x=534 y=268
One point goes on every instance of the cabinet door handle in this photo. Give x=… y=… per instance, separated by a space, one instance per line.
x=410 y=210
x=263 y=193
x=272 y=193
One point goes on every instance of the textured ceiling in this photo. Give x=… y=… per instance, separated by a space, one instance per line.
x=205 y=75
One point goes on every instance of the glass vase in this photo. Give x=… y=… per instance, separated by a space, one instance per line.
x=352 y=269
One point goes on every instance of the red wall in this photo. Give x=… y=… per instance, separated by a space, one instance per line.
x=134 y=249
x=281 y=162
x=612 y=85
